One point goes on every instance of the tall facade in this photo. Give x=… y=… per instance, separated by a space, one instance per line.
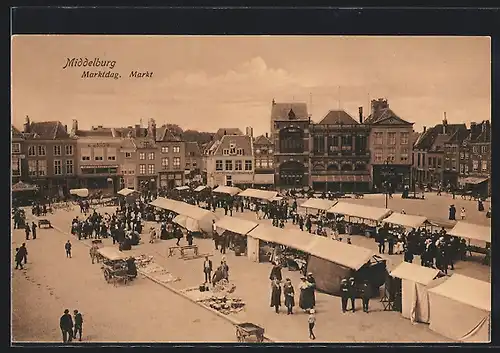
x=263 y=149
x=339 y=153
x=18 y=156
x=390 y=146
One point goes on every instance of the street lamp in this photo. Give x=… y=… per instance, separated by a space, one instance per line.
x=386 y=184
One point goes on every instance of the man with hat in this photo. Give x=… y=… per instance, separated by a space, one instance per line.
x=344 y=293
x=312 y=288
x=352 y=293
x=66 y=325
x=366 y=293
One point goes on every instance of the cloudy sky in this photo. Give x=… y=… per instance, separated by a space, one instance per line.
x=209 y=82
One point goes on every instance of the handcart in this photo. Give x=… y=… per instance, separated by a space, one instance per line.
x=115 y=266
x=248 y=332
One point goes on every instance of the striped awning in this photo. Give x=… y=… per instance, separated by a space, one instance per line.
x=341 y=178
x=98 y=166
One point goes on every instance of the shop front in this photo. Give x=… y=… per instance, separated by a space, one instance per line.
x=347 y=183
x=99 y=178
x=398 y=176
x=171 y=180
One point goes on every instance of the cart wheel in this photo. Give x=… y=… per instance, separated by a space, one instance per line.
x=107 y=275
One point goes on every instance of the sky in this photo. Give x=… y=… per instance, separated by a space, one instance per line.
x=209 y=82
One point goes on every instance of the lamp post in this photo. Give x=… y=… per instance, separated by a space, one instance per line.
x=386 y=183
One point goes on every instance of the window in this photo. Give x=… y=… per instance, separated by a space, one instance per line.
x=257 y=151
x=128 y=155
x=229 y=165
x=462 y=169
x=176 y=149
x=225 y=152
x=58 y=167
x=466 y=168
x=239 y=151
x=391 y=154
x=232 y=150
x=484 y=149
x=238 y=165
x=15 y=166
x=151 y=168
x=31 y=150
x=439 y=162
x=475 y=166
x=462 y=155
x=218 y=164
x=391 y=138
x=453 y=164
x=98 y=154
x=264 y=163
x=379 y=155
x=484 y=166
x=258 y=163
x=111 y=154
x=176 y=162
x=142 y=169
x=85 y=153
x=32 y=168
x=68 y=150
x=16 y=148
x=346 y=143
x=164 y=149
x=418 y=159
x=248 y=165
x=379 y=138
x=404 y=137
x=42 y=167
x=151 y=156
x=271 y=163
x=466 y=155
x=57 y=150
x=429 y=161
x=474 y=149
x=142 y=156
x=69 y=166
x=41 y=150
x=164 y=163
x=404 y=154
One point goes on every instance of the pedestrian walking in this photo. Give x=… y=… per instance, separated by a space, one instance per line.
x=352 y=293
x=344 y=293
x=289 y=293
x=19 y=259
x=24 y=253
x=78 y=325
x=215 y=236
x=66 y=325
x=462 y=213
x=275 y=295
x=33 y=230
x=312 y=322
x=366 y=295
x=27 y=230
x=67 y=246
x=207 y=269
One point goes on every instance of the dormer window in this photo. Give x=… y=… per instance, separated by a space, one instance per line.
x=225 y=152
x=257 y=151
x=240 y=151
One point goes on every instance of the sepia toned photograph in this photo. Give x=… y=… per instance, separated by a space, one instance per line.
x=250 y=189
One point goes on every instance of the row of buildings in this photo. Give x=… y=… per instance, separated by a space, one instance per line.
x=338 y=153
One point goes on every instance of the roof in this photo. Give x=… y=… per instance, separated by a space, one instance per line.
x=292 y=238
x=182 y=188
x=485 y=134
x=360 y=211
x=262 y=140
x=405 y=220
x=466 y=290
x=228 y=131
x=231 y=190
x=419 y=274
x=47 y=130
x=439 y=141
x=318 y=204
x=241 y=141
x=428 y=138
x=125 y=192
x=338 y=117
x=163 y=134
x=96 y=132
x=471 y=231
x=414 y=137
x=200 y=188
x=380 y=116
x=183 y=208
x=259 y=194
x=128 y=143
x=193 y=149
x=236 y=225
x=190 y=224
x=458 y=136
x=16 y=134
x=280 y=111
x=112 y=253
x=145 y=143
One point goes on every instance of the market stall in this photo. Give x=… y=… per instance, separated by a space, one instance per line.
x=126 y=192
x=79 y=192
x=237 y=229
x=461 y=309
x=318 y=204
x=416 y=280
x=23 y=194
x=200 y=188
x=259 y=194
x=187 y=223
x=360 y=214
x=471 y=231
x=228 y=190
x=405 y=220
x=182 y=188
x=167 y=204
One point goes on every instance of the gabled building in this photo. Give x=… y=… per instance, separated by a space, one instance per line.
x=390 y=146
x=340 y=156
x=456 y=153
x=18 y=156
x=172 y=157
x=194 y=162
x=263 y=149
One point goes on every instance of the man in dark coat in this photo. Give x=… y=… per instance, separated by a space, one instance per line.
x=352 y=293
x=19 y=259
x=207 y=269
x=78 y=325
x=289 y=293
x=66 y=325
x=276 y=295
x=312 y=288
x=452 y=213
x=276 y=272
x=366 y=293
x=33 y=230
x=344 y=293
x=27 y=230
x=24 y=253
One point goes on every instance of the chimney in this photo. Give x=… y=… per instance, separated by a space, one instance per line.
x=445 y=124
x=249 y=131
x=27 y=125
x=274 y=102
x=225 y=132
x=152 y=129
x=138 y=130
x=425 y=128
x=379 y=104
x=74 y=127
x=360 y=110
x=66 y=128
x=267 y=135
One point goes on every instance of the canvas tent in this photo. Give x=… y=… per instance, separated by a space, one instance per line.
x=187 y=223
x=405 y=220
x=461 y=309
x=259 y=194
x=415 y=281
x=79 y=192
x=229 y=190
x=360 y=211
x=471 y=231
x=318 y=204
x=182 y=188
x=200 y=188
x=126 y=192
x=235 y=225
x=20 y=186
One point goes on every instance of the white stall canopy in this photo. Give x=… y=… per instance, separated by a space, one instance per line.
x=200 y=188
x=259 y=194
x=318 y=204
x=360 y=211
x=80 y=192
x=126 y=192
x=291 y=238
x=471 y=231
x=230 y=190
x=182 y=188
x=405 y=220
x=415 y=273
x=235 y=225
x=188 y=223
x=113 y=254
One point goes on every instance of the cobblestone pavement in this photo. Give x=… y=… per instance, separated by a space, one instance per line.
x=252 y=285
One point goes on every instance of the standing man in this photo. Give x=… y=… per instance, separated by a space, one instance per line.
x=19 y=259
x=222 y=243
x=365 y=295
x=33 y=230
x=207 y=269
x=67 y=246
x=24 y=253
x=352 y=293
x=312 y=322
x=344 y=293
x=66 y=325
x=27 y=231
x=289 y=293
x=78 y=324
x=215 y=236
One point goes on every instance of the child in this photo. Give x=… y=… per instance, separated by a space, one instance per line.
x=312 y=321
x=462 y=213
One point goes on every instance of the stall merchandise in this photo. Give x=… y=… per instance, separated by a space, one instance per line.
x=259 y=194
x=461 y=309
x=318 y=204
x=471 y=231
x=416 y=280
x=359 y=211
x=405 y=220
x=229 y=190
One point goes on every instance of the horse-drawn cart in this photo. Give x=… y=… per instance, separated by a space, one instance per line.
x=117 y=266
x=248 y=332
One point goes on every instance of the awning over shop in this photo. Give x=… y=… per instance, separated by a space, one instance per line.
x=341 y=178
x=347 y=255
x=190 y=224
x=112 y=253
x=126 y=192
x=235 y=225
x=200 y=188
x=291 y=238
x=259 y=194
x=472 y=180
x=318 y=204
x=471 y=231
x=360 y=211
x=79 y=192
x=263 y=179
x=167 y=204
x=20 y=186
x=415 y=273
x=242 y=178
x=405 y=220
x=230 y=190
x=182 y=188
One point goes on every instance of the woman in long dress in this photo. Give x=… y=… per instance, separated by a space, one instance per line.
x=305 y=299
x=275 y=295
